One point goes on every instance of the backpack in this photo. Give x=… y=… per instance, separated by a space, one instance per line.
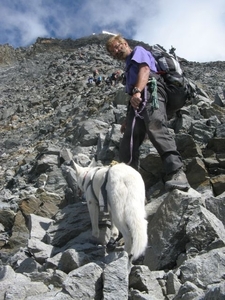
x=177 y=86
x=168 y=65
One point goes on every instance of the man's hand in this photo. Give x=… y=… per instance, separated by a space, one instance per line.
x=136 y=100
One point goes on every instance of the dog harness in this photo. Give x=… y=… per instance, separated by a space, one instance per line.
x=102 y=201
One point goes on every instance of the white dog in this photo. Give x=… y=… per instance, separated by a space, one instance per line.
x=121 y=190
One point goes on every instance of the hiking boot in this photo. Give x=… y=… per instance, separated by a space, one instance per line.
x=177 y=180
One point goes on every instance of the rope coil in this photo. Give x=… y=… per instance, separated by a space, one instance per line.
x=153 y=90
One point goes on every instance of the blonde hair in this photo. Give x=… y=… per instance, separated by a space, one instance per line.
x=117 y=38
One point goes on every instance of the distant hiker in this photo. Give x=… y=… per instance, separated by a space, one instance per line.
x=108 y=80
x=95 y=73
x=90 y=79
x=98 y=80
x=146 y=112
x=114 y=77
x=97 y=77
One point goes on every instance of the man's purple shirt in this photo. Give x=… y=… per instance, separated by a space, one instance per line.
x=138 y=56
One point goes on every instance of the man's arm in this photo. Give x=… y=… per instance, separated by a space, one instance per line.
x=142 y=80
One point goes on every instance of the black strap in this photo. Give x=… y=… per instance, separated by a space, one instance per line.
x=103 y=189
x=90 y=183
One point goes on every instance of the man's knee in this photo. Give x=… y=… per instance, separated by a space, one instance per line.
x=156 y=124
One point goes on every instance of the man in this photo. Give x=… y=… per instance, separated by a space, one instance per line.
x=144 y=115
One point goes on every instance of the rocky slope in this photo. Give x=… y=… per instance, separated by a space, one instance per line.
x=49 y=114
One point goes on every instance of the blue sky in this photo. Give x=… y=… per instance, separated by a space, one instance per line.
x=196 y=28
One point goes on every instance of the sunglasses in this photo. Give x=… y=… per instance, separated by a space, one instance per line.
x=115 y=47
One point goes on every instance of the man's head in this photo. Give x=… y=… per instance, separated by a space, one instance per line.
x=118 y=47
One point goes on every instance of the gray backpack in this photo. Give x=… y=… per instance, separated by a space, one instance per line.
x=177 y=86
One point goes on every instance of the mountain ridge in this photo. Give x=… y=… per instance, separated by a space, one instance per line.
x=51 y=112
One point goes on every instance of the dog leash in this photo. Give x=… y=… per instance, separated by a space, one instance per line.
x=137 y=114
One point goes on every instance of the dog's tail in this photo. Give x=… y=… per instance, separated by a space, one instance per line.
x=127 y=203
x=138 y=229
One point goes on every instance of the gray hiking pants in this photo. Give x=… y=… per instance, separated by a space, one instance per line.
x=154 y=125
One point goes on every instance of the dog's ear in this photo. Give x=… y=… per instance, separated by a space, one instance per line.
x=92 y=163
x=75 y=166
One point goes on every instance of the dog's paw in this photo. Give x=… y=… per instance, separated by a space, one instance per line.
x=111 y=245
x=95 y=233
x=114 y=243
x=94 y=240
x=139 y=260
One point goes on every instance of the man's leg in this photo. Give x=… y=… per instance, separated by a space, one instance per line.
x=132 y=139
x=165 y=144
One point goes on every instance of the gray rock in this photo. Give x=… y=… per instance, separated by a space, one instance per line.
x=142 y=279
x=85 y=282
x=167 y=229
x=115 y=279
x=195 y=270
